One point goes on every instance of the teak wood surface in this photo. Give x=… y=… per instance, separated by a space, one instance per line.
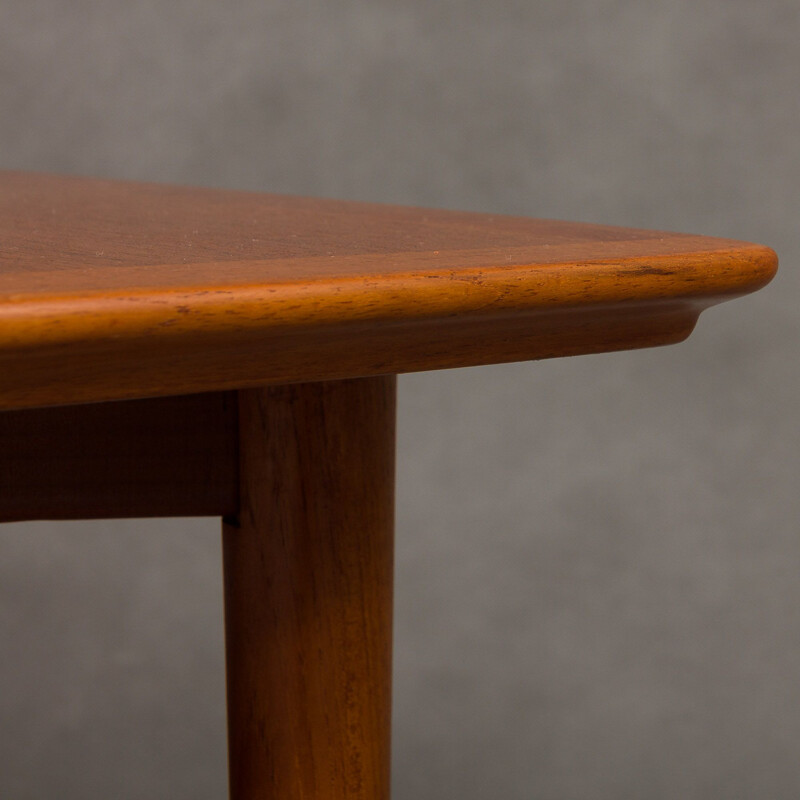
x=111 y=289
x=308 y=593
x=160 y=457
x=252 y=341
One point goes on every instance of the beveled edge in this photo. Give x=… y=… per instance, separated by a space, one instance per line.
x=113 y=346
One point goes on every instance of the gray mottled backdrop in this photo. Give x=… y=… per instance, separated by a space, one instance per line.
x=598 y=558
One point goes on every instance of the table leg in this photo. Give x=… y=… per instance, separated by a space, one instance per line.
x=308 y=592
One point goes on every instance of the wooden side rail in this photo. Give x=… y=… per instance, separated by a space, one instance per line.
x=162 y=457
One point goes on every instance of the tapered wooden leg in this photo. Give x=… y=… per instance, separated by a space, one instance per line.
x=308 y=593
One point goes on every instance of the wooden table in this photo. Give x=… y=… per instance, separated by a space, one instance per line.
x=253 y=341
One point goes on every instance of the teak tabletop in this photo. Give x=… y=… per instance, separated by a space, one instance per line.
x=254 y=341
x=117 y=290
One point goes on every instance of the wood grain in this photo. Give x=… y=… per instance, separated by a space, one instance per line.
x=110 y=289
x=308 y=593
x=174 y=456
